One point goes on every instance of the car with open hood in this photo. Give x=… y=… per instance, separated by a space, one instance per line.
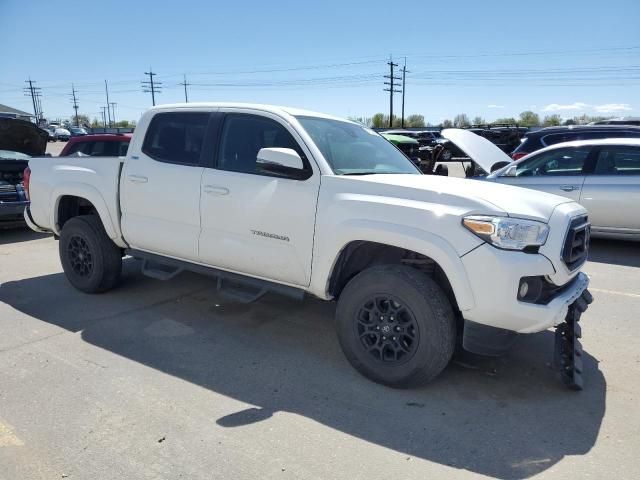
x=603 y=175
x=19 y=141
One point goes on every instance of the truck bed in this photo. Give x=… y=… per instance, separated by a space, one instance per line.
x=94 y=178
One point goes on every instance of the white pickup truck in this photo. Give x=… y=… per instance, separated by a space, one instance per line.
x=279 y=199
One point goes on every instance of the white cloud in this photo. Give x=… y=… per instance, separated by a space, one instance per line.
x=557 y=107
x=581 y=106
x=612 y=107
x=493 y=105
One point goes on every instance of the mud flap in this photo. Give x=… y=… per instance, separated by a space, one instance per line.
x=568 y=349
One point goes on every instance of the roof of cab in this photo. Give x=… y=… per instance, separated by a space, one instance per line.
x=254 y=106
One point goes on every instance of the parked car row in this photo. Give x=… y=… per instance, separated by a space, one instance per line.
x=63 y=134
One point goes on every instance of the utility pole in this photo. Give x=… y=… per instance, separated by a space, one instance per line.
x=75 y=102
x=404 y=88
x=149 y=86
x=39 y=105
x=33 y=92
x=113 y=111
x=391 y=89
x=104 y=116
x=186 y=98
x=106 y=89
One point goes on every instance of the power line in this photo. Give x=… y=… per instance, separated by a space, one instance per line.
x=149 y=86
x=391 y=89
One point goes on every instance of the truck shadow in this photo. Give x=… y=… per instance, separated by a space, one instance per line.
x=507 y=418
x=19 y=234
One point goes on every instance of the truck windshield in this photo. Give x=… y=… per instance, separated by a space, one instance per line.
x=352 y=149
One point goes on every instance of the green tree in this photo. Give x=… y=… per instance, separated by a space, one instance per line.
x=378 y=120
x=447 y=123
x=552 y=120
x=510 y=120
x=82 y=119
x=461 y=120
x=414 y=121
x=529 y=119
x=478 y=120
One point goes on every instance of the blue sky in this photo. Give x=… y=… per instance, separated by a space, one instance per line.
x=491 y=58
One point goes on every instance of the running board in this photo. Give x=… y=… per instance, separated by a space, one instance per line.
x=159 y=271
x=240 y=288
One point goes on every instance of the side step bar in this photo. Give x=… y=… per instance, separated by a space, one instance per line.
x=239 y=288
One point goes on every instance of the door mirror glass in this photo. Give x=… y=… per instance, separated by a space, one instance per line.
x=279 y=160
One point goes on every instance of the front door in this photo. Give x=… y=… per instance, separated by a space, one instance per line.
x=255 y=223
x=160 y=186
x=559 y=171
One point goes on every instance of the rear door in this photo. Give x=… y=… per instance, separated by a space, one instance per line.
x=612 y=193
x=560 y=171
x=160 y=185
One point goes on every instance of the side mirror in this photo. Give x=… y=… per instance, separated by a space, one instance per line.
x=280 y=161
x=510 y=172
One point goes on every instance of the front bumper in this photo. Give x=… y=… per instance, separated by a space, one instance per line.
x=495 y=275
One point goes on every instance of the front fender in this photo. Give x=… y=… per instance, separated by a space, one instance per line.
x=91 y=194
x=401 y=236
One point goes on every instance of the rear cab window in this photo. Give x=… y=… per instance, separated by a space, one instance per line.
x=176 y=137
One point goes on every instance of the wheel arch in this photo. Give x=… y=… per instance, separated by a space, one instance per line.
x=70 y=200
x=391 y=244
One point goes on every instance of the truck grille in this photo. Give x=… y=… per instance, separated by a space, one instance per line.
x=576 y=243
x=8 y=193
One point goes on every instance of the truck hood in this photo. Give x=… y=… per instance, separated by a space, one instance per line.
x=484 y=153
x=21 y=136
x=469 y=196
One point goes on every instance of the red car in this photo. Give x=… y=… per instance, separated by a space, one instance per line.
x=98 y=145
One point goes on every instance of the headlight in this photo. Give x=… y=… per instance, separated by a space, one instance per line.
x=507 y=233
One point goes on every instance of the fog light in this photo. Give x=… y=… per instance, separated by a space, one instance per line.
x=530 y=289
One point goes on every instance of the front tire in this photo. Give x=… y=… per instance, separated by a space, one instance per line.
x=396 y=326
x=90 y=259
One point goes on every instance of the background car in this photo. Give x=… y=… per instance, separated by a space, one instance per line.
x=98 y=145
x=62 y=134
x=544 y=137
x=409 y=146
x=603 y=175
x=77 y=131
x=19 y=141
x=505 y=136
x=51 y=132
x=619 y=121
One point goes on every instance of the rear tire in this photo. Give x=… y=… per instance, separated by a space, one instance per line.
x=90 y=259
x=396 y=326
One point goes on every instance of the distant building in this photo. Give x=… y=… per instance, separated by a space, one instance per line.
x=9 y=112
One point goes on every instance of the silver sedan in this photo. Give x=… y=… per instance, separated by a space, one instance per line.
x=603 y=175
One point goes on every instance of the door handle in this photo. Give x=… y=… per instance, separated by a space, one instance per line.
x=138 y=179
x=215 y=190
x=569 y=188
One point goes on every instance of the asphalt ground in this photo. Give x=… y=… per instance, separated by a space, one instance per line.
x=169 y=380
x=159 y=380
